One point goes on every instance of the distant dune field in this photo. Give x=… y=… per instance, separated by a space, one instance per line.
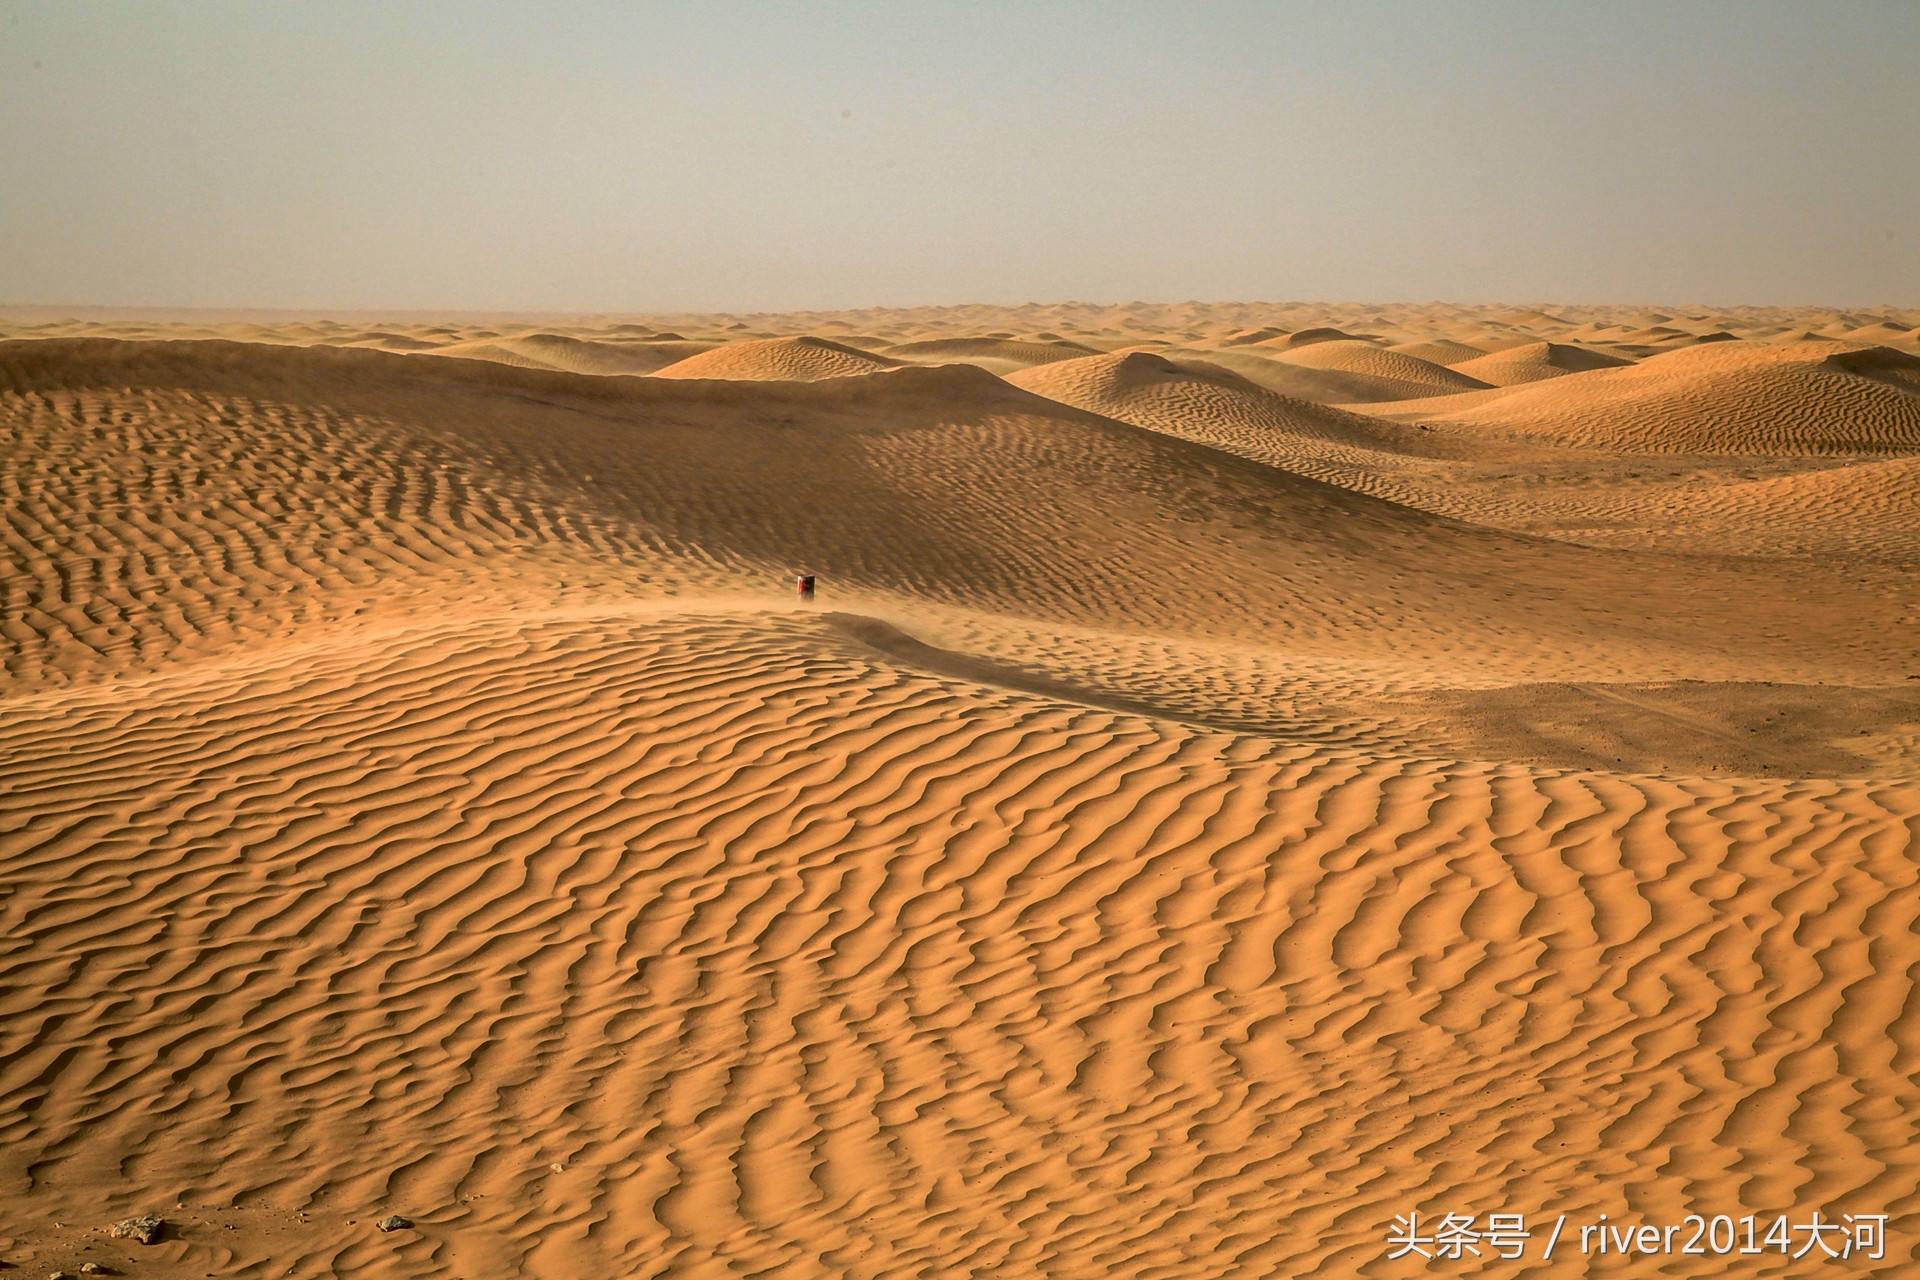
x=1250 y=771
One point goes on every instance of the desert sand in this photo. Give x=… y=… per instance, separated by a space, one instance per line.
x=1251 y=771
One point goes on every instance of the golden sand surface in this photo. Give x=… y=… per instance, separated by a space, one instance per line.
x=1251 y=771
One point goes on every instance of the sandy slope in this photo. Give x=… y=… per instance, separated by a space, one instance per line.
x=1534 y=361
x=1208 y=403
x=1717 y=398
x=1002 y=355
x=1440 y=350
x=1196 y=824
x=1373 y=361
x=776 y=359
x=575 y=355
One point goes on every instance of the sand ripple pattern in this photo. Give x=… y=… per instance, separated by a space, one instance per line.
x=712 y=946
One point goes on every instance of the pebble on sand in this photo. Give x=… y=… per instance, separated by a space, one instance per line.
x=394 y=1222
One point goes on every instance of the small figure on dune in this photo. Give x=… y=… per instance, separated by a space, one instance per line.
x=803 y=585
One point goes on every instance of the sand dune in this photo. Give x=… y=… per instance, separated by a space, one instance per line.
x=574 y=355
x=1296 y=381
x=1001 y=355
x=1210 y=404
x=1533 y=362
x=1195 y=825
x=1853 y=511
x=779 y=359
x=1720 y=398
x=1439 y=350
x=1404 y=375
x=1882 y=331
x=1290 y=341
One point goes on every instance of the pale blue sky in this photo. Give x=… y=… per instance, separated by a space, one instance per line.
x=648 y=157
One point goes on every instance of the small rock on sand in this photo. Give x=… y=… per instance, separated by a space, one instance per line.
x=394 y=1222
x=146 y=1228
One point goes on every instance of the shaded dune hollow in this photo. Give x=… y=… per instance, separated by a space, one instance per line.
x=1197 y=822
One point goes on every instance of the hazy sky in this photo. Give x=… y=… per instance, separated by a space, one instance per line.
x=654 y=157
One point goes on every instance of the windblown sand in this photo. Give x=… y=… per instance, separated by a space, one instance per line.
x=1251 y=772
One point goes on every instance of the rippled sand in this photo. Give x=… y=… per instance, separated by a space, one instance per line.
x=1251 y=771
